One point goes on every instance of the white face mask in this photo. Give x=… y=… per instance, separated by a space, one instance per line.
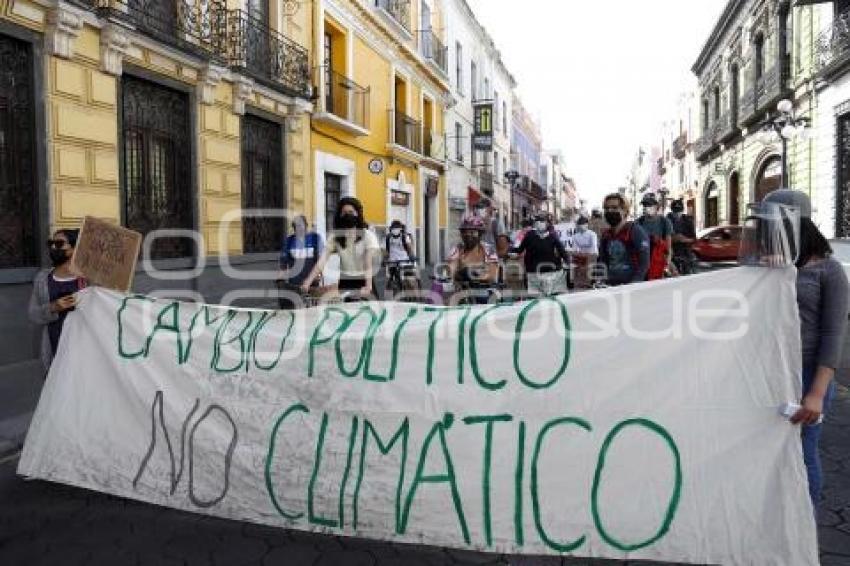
x=650 y=210
x=581 y=228
x=396 y=232
x=540 y=226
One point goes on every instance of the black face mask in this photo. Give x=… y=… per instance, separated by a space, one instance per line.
x=470 y=242
x=347 y=222
x=613 y=218
x=58 y=256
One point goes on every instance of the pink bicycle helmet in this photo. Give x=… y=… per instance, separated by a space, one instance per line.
x=472 y=222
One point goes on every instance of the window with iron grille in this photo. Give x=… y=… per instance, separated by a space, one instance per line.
x=18 y=191
x=459 y=67
x=458 y=140
x=157 y=176
x=262 y=185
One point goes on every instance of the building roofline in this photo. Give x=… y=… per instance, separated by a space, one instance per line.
x=489 y=43
x=723 y=22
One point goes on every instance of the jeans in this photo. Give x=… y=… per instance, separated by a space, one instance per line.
x=810 y=435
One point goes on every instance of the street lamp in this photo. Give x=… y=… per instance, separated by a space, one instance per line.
x=511 y=176
x=787 y=126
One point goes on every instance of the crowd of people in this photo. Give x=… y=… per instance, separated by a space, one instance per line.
x=606 y=248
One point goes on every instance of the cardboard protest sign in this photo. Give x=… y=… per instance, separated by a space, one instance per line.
x=635 y=423
x=106 y=254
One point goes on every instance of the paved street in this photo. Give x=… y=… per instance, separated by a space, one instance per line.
x=42 y=524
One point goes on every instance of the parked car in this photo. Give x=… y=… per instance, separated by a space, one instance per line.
x=720 y=243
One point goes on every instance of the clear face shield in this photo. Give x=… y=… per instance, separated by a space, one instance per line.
x=770 y=236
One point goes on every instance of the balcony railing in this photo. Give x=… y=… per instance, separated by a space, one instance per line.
x=485 y=182
x=832 y=48
x=198 y=26
x=405 y=131
x=433 y=49
x=434 y=146
x=680 y=146
x=346 y=99
x=398 y=10
x=268 y=56
x=764 y=94
x=704 y=145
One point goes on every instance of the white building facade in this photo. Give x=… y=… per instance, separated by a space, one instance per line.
x=831 y=131
x=477 y=74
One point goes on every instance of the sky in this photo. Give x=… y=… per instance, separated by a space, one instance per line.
x=601 y=76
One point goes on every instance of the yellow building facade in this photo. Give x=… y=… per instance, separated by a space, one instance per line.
x=118 y=74
x=181 y=116
x=381 y=86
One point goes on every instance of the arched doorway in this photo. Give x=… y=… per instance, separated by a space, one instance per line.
x=712 y=206
x=769 y=177
x=734 y=198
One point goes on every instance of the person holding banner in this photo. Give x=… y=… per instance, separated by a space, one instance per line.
x=625 y=246
x=356 y=246
x=54 y=292
x=822 y=299
x=298 y=256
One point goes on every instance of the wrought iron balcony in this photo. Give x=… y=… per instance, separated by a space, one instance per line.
x=398 y=10
x=724 y=129
x=346 y=99
x=435 y=146
x=197 y=26
x=832 y=47
x=704 y=145
x=768 y=89
x=405 y=131
x=485 y=182
x=680 y=146
x=433 y=50
x=269 y=57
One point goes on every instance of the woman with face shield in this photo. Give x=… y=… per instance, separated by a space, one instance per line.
x=822 y=300
x=54 y=292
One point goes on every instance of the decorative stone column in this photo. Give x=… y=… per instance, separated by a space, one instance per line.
x=114 y=44
x=63 y=27
x=210 y=78
x=243 y=89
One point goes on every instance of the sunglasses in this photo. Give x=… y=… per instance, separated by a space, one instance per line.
x=57 y=244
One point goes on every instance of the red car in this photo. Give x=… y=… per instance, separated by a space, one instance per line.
x=720 y=243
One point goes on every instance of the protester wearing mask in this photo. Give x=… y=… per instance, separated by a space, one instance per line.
x=597 y=223
x=472 y=260
x=660 y=233
x=584 y=252
x=624 y=251
x=495 y=235
x=356 y=246
x=544 y=258
x=54 y=292
x=684 y=235
x=399 y=244
x=822 y=301
x=298 y=256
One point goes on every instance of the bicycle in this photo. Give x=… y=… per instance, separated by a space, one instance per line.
x=402 y=278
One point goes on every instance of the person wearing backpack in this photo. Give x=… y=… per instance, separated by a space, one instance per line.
x=624 y=251
x=660 y=232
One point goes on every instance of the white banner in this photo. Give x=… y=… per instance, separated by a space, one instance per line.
x=639 y=422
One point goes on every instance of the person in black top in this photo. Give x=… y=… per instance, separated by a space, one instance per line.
x=684 y=235
x=544 y=258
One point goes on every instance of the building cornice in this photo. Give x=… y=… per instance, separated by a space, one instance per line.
x=727 y=18
x=487 y=41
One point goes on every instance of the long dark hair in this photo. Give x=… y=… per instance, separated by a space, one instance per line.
x=812 y=243
x=71 y=234
x=361 y=222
